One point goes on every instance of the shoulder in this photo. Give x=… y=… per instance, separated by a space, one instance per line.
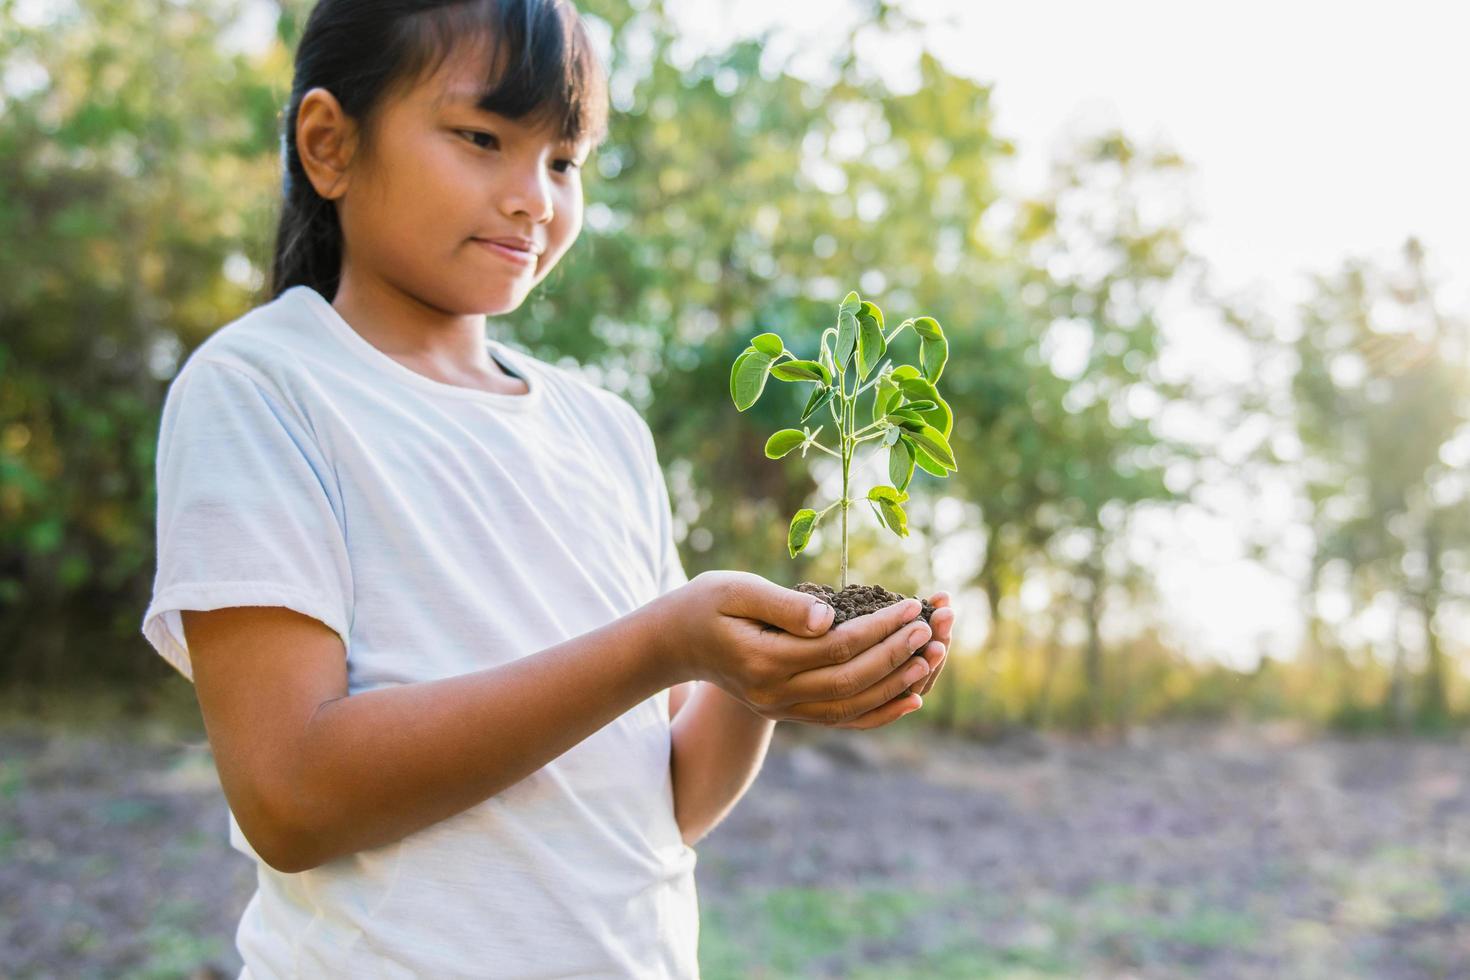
x=279 y=348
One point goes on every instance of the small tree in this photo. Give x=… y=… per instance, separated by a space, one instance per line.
x=908 y=416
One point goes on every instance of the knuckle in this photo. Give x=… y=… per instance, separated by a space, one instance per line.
x=845 y=684
x=834 y=714
x=841 y=649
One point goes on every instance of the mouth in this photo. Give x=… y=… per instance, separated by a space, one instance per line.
x=523 y=257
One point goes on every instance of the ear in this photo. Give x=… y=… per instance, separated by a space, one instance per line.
x=325 y=139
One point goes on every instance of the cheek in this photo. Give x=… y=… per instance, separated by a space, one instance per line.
x=567 y=224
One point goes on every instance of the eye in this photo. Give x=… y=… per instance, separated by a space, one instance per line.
x=472 y=133
x=570 y=166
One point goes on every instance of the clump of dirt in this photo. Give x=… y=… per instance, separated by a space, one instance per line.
x=859 y=600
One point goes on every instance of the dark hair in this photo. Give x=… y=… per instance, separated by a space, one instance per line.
x=542 y=69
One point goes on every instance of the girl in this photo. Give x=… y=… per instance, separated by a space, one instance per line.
x=468 y=712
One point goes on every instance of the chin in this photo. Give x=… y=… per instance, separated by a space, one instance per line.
x=499 y=301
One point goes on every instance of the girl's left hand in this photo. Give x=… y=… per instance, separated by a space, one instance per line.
x=942 y=623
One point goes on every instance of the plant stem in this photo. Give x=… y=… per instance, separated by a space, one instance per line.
x=845 y=431
x=818 y=445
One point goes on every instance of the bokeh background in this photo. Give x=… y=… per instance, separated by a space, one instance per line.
x=1204 y=279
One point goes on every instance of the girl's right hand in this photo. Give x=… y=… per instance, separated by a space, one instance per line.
x=715 y=628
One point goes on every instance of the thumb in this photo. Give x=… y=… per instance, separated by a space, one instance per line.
x=798 y=613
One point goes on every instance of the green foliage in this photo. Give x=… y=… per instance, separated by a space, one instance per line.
x=904 y=406
x=137 y=162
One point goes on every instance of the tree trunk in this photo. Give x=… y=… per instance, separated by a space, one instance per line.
x=1397 y=703
x=1434 y=709
x=1092 y=658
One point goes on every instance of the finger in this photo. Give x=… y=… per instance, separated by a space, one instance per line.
x=935 y=655
x=939 y=599
x=885 y=714
x=942 y=622
x=873 y=665
x=842 y=643
x=836 y=713
x=798 y=613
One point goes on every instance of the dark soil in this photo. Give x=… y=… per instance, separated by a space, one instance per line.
x=859 y=600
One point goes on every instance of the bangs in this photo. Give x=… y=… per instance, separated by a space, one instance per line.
x=540 y=65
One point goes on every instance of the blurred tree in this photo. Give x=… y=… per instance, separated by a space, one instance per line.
x=1074 y=451
x=135 y=157
x=1380 y=390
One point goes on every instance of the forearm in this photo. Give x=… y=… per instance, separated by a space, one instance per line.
x=718 y=747
x=377 y=766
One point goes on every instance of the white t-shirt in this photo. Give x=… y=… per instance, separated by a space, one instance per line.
x=439 y=530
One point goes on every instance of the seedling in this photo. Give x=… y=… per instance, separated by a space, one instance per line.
x=907 y=416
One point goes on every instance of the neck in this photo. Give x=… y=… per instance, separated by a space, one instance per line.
x=407 y=328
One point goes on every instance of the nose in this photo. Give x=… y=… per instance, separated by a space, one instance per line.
x=527 y=191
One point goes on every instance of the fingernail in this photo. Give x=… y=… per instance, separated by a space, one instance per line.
x=820 y=615
x=916 y=672
x=911 y=608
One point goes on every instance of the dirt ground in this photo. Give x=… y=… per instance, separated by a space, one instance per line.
x=1210 y=852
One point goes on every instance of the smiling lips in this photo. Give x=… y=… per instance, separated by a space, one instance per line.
x=520 y=251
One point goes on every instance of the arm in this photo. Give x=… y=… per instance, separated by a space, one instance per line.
x=718 y=747
x=313 y=774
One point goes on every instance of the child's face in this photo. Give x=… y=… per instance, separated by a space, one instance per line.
x=444 y=177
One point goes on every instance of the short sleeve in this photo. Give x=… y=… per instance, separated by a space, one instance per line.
x=245 y=517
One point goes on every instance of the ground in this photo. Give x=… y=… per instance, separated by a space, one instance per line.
x=1210 y=852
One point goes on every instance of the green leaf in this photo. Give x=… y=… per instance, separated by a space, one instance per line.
x=904 y=372
x=870 y=344
x=748 y=378
x=735 y=373
x=927 y=463
x=928 y=328
x=826 y=355
x=892 y=515
x=885 y=393
x=769 y=344
x=900 y=462
x=821 y=395
x=907 y=418
x=847 y=329
x=932 y=355
x=800 y=531
x=801 y=371
x=850 y=303
x=932 y=441
x=925 y=399
x=783 y=442
x=915 y=389
x=940 y=417
x=892 y=435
